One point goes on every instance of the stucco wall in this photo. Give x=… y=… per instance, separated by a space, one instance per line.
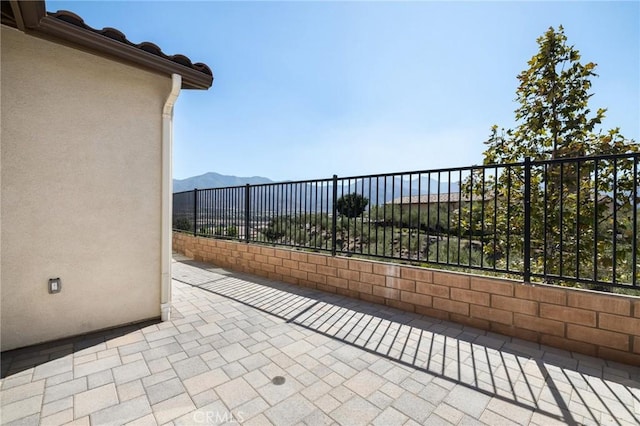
x=81 y=182
x=606 y=326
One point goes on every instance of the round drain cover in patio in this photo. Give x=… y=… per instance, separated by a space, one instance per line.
x=278 y=380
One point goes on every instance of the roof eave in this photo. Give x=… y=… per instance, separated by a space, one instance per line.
x=31 y=17
x=191 y=79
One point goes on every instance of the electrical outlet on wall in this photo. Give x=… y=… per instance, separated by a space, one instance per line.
x=55 y=285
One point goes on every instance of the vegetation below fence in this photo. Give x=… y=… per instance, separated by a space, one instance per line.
x=380 y=232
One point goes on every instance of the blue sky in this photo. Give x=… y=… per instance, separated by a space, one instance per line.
x=304 y=90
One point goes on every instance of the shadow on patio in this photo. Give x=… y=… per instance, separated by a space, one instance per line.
x=343 y=361
x=550 y=381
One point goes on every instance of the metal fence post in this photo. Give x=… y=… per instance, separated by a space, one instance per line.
x=527 y=221
x=246 y=213
x=334 y=217
x=195 y=212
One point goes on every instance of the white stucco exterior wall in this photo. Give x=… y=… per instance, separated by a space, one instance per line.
x=81 y=191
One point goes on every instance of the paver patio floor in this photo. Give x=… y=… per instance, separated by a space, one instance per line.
x=343 y=361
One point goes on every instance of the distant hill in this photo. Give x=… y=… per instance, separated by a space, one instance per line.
x=386 y=191
x=215 y=180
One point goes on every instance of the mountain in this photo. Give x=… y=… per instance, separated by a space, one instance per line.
x=215 y=180
x=378 y=190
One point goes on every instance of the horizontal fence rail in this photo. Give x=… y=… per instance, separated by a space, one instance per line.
x=563 y=220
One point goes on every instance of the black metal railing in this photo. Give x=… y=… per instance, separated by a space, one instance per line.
x=562 y=220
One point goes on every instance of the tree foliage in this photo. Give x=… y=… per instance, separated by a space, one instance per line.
x=553 y=116
x=352 y=205
x=572 y=204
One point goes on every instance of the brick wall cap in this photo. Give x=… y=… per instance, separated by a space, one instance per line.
x=579 y=290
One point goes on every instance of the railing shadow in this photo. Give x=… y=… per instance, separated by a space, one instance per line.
x=535 y=377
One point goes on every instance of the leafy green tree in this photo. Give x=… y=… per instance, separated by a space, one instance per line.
x=352 y=205
x=571 y=208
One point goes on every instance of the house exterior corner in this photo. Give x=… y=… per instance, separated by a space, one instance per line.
x=81 y=183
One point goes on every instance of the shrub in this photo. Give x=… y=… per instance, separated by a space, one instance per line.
x=274 y=231
x=182 y=224
x=351 y=205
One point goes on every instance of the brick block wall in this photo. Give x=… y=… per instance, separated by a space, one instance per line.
x=602 y=325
